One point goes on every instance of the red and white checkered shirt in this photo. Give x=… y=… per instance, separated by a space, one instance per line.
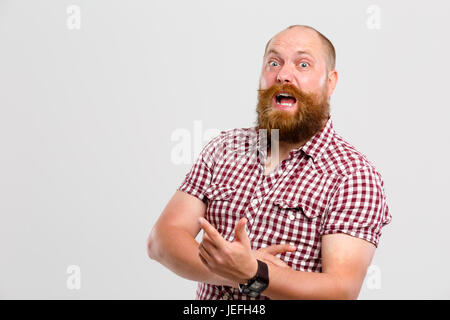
x=324 y=187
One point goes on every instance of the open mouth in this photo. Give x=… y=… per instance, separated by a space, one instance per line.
x=284 y=101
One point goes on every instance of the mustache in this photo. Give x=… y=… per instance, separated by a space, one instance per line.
x=301 y=96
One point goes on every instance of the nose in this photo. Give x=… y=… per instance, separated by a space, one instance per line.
x=285 y=75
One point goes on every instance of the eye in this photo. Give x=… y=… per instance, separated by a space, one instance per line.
x=304 y=64
x=273 y=63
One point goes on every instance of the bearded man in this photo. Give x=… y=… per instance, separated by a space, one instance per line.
x=303 y=218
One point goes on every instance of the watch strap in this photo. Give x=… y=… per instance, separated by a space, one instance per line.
x=258 y=283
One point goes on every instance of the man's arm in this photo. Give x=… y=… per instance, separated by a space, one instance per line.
x=345 y=260
x=172 y=242
x=172 y=239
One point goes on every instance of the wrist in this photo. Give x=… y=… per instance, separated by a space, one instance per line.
x=258 y=283
x=222 y=281
x=229 y=283
x=253 y=270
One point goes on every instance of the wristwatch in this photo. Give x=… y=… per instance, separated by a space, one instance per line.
x=258 y=283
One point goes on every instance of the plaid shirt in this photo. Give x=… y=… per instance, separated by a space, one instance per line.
x=324 y=187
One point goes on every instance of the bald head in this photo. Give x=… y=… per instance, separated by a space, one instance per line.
x=329 y=51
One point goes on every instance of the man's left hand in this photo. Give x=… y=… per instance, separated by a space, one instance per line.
x=231 y=260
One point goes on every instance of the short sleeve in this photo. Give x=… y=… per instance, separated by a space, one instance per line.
x=198 y=179
x=359 y=207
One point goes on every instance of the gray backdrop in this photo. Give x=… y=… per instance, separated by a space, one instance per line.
x=93 y=94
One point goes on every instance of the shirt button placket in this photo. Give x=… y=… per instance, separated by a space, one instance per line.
x=254 y=207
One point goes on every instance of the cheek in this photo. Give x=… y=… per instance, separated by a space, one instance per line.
x=312 y=83
x=267 y=78
x=305 y=82
x=322 y=80
x=263 y=83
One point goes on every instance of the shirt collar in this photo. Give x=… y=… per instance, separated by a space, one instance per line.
x=319 y=142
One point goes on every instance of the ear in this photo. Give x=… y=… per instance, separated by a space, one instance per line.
x=332 y=81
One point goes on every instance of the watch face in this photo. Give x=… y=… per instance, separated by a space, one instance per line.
x=253 y=289
x=256 y=285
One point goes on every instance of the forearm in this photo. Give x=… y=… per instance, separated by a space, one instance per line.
x=285 y=283
x=177 y=250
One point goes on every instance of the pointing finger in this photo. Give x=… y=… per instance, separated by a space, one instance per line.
x=240 y=234
x=203 y=260
x=213 y=234
x=204 y=253
x=278 y=248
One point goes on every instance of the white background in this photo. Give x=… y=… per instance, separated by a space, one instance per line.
x=86 y=118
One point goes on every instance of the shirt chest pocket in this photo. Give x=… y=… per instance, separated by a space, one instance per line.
x=221 y=202
x=221 y=210
x=294 y=221
x=220 y=192
x=292 y=210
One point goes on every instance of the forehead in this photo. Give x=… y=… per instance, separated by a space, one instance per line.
x=297 y=39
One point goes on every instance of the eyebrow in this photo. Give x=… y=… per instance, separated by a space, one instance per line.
x=298 y=52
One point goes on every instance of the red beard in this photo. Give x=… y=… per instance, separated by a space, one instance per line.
x=312 y=112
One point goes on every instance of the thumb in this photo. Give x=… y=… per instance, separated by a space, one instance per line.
x=239 y=232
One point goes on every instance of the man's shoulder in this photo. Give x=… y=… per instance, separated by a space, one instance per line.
x=227 y=140
x=342 y=158
x=235 y=135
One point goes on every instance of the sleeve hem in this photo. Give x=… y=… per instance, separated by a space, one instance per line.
x=360 y=235
x=192 y=190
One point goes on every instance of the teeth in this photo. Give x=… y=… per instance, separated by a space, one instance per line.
x=286 y=104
